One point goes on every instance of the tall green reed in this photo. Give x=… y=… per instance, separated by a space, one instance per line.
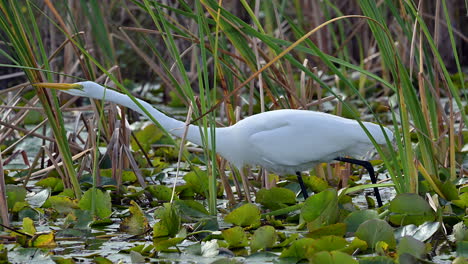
x=22 y=35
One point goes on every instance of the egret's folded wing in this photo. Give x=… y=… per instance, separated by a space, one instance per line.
x=294 y=144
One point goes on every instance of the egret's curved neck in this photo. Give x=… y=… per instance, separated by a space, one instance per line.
x=173 y=126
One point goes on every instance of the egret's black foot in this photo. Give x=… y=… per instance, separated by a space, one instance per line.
x=301 y=183
x=368 y=166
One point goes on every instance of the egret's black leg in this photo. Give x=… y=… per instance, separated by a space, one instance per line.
x=301 y=183
x=368 y=166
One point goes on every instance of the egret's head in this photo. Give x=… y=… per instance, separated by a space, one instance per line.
x=86 y=89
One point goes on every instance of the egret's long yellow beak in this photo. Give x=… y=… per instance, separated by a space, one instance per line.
x=59 y=86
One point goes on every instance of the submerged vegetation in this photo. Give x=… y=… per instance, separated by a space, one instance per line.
x=94 y=182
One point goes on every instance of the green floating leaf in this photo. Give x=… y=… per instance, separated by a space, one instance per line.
x=375 y=230
x=160 y=192
x=127 y=175
x=163 y=245
x=80 y=219
x=449 y=189
x=298 y=249
x=160 y=230
x=136 y=223
x=15 y=194
x=149 y=135
x=170 y=222
x=101 y=222
x=409 y=208
x=136 y=257
x=35 y=214
x=462 y=249
x=354 y=219
x=143 y=249
x=62 y=204
x=102 y=202
x=55 y=184
x=43 y=240
x=462 y=202
x=191 y=210
x=235 y=237
x=321 y=207
x=3 y=254
x=316 y=184
x=376 y=260
x=334 y=257
x=338 y=229
x=327 y=243
x=19 y=206
x=227 y=261
x=60 y=260
x=354 y=245
x=263 y=238
x=101 y=260
x=411 y=246
x=246 y=215
x=197 y=180
x=288 y=240
x=28 y=226
x=275 y=198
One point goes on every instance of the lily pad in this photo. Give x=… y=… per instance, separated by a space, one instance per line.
x=149 y=135
x=62 y=204
x=102 y=202
x=462 y=202
x=170 y=222
x=322 y=207
x=462 y=249
x=316 y=184
x=263 y=238
x=298 y=249
x=163 y=245
x=356 y=218
x=409 y=208
x=43 y=240
x=411 y=246
x=327 y=243
x=197 y=180
x=55 y=184
x=235 y=237
x=136 y=223
x=28 y=226
x=375 y=230
x=275 y=198
x=246 y=215
x=333 y=257
x=160 y=192
x=376 y=260
x=338 y=229
x=354 y=245
x=15 y=194
x=191 y=210
x=450 y=191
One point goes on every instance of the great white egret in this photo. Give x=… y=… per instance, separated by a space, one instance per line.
x=281 y=141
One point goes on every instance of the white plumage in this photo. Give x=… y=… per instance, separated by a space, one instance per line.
x=287 y=141
x=281 y=141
